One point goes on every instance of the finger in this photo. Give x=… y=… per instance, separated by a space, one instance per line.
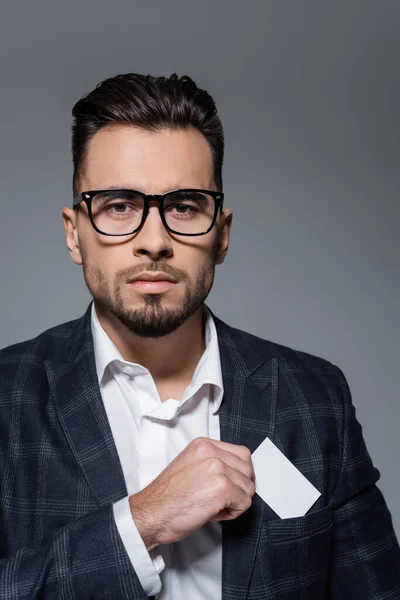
x=238 y=457
x=237 y=502
x=240 y=481
x=240 y=451
x=236 y=463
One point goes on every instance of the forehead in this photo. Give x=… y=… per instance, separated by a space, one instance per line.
x=153 y=162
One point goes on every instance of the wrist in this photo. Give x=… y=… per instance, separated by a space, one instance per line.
x=144 y=522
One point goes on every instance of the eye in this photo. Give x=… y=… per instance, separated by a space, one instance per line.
x=183 y=208
x=117 y=203
x=119 y=207
x=180 y=210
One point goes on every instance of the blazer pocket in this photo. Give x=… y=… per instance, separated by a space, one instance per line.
x=313 y=523
x=294 y=555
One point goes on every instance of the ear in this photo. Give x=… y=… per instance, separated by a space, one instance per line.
x=225 y=232
x=70 y=218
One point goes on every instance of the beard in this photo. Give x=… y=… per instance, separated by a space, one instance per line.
x=151 y=319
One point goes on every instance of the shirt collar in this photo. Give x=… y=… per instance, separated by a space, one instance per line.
x=208 y=370
x=105 y=351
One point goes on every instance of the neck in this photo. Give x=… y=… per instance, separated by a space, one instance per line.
x=174 y=356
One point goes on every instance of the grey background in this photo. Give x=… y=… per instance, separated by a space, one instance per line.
x=309 y=96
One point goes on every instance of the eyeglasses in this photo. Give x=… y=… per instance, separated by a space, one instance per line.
x=123 y=212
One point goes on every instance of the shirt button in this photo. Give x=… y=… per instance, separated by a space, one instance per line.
x=128 y=370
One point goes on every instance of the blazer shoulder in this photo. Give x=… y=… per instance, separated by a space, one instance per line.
x=285 y=355
x=300 y=360
x=35 y=351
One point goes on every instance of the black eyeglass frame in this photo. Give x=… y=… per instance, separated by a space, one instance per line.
x=88 y=196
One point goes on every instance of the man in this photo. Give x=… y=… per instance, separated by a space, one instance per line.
x=126 y=436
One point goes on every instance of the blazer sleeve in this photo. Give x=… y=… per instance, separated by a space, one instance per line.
x=85 y=560
x=365 y=559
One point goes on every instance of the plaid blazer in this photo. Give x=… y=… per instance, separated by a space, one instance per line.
x=60 y=475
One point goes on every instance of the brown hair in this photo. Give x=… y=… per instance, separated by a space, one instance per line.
x=149 y=102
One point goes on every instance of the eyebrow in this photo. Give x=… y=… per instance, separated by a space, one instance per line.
x=139 y=189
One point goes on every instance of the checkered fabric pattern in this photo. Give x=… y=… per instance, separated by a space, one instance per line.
x=60 y=475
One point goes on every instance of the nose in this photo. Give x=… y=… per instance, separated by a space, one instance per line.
x=153 y=240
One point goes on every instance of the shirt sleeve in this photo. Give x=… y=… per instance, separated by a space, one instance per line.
x=147 y=569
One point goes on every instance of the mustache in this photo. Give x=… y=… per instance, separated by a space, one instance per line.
x=151 y=267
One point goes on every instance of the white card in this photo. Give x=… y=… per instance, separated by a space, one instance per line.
x=280 y=484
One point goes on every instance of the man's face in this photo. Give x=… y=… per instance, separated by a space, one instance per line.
x=153 y=163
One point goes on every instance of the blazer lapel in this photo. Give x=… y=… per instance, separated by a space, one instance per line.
x=76 y=394
x=246 y=417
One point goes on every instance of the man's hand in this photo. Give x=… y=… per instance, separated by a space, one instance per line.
x=207 y=481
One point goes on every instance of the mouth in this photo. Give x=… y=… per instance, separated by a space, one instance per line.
x=152 y=287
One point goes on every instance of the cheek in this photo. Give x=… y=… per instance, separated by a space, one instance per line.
x=96 y=267
x=203 y=265
x=103 y=257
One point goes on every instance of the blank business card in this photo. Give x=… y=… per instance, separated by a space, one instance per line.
x=280 y=484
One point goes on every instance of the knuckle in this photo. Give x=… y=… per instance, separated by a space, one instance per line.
x=250 y=472
x=248 y=503
x=223 y=487
x=249 y=484
x=252 y=488
x=203 y=448
x=215 y=466
x=245 y=453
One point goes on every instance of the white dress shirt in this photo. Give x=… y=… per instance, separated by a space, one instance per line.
x=148 y=435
